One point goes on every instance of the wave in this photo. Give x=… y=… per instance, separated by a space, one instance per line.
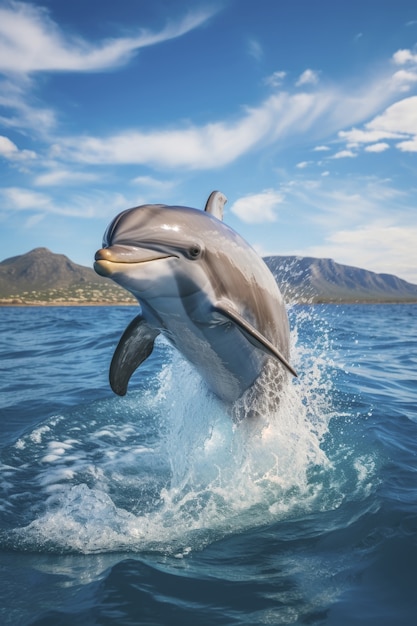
x=167 y=470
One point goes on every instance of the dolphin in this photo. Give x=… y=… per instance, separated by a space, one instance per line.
x=201 y=286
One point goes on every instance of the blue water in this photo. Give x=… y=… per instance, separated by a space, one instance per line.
x=157 y=509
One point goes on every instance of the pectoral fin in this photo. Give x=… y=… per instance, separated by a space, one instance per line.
x=135 y=345
x=254 y=336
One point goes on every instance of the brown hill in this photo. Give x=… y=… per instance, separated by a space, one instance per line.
x=40 y=276
x=324 y=280
x=42 y=269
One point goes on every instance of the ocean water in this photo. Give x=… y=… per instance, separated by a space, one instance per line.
x=157 y=509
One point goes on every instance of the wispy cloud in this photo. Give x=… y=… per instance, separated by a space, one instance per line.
x=26 y=199
x=370 y=115
x=155 y=185
x=197 y=147
x=81 y=205
x=275 y=79
x=31 y=42
x=21 y=110
x=320 y=110
x=356 y=221
x=279 y=117
x=63 y=177
x=10 y=151
x=308 y=77
x=398 y=121
x=255 y=49
x=381 y=247
x=357 y=136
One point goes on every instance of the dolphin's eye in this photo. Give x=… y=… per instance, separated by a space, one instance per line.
x=194 y=251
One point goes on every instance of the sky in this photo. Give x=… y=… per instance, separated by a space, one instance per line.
x=304 y=114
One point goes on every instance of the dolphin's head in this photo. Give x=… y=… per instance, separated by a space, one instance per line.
x=144 y=246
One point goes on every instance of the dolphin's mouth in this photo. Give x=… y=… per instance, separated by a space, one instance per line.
x=110 y=260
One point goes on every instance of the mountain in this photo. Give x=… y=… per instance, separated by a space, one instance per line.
x=323 y=280
x=41 y=269
x=42 y=277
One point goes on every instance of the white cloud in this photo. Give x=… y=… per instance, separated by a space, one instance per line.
x=7 y=147
x=321 y=149
x=215 y=144
x=10 y=151
x=21 y=113
x=84 y=205
x=402 y=57
x=275 y=79
x=362 y=221
x=255 y=49
x=30 y=41
x=33 y=220
x=404 y=79
x=377 y=147
x=279 y=117
x=205 y=147
x=63 y=177
x=258 y=208
x=25 y=199
x=343 y=154
x=308 y=77
x=303 y=164
x=400 y=117
x=377 y=247
x=356 y=136
x=398 y=121
x=408 y=146
x=334 y=204
x=154 y=184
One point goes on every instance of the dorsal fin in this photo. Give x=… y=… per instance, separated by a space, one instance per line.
x=215 y=204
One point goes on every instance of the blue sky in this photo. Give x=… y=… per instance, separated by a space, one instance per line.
x=303 y=113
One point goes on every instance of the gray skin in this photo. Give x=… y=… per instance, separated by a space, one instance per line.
x=200 y=285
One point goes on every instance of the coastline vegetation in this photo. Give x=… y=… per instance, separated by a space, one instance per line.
x=111 y=295
x=88 y=294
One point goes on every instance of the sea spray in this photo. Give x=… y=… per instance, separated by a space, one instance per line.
x=166 y=469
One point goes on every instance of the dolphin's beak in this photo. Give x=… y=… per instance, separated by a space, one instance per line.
x=103 y=267
x=112 y=259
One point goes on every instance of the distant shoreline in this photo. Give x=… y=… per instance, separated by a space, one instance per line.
x=133 y=304
x=43 y=278
x=64 y=304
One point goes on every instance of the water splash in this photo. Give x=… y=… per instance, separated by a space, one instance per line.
x=167 y=469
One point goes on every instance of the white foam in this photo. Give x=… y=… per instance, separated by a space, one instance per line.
x=168 y=469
